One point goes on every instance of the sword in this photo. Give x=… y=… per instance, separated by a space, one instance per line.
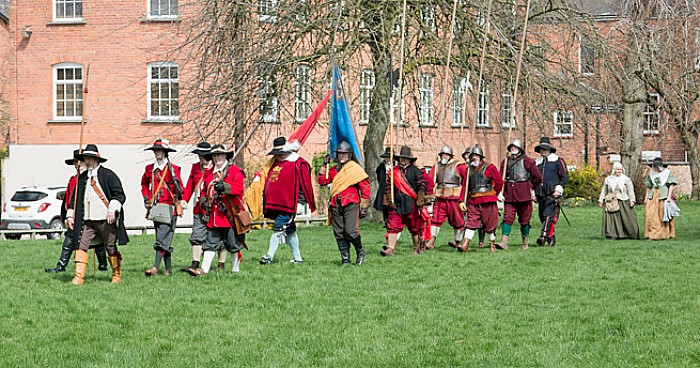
x=561 y=209
x=199 y=130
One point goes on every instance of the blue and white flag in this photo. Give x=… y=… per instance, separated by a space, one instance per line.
x=341 y=126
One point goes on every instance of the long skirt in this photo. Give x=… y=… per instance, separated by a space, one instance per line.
x=654 y=227
x=621 y=224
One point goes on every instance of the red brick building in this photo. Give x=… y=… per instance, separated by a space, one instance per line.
x=120 y=51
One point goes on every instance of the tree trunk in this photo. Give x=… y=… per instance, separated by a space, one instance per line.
x=634 y=96
x=379 y=117
x=690 y=141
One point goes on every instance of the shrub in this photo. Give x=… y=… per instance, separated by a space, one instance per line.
x=585 y=183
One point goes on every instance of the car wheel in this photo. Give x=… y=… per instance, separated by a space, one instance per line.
x=55 y=224
x=13 y=236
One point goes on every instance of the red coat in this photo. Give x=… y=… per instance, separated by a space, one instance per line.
x=151 y=179
x=520 y=191
x=284 y=182
x=232 y=196
x=195 y=185
x=492 y=173
x=350 y=195
x=69 y=192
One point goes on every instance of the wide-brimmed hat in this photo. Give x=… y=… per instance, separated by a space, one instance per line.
x=405 y=152
x=544 y=144
x=203 y=148
x=71 y=161
x=90 y=151
x=657 y=161
x=386 y=153
x=278 y=146
x=219 y=148
x=160 y=144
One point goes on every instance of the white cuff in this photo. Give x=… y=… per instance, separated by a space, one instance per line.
x=559 y=189
x=70 y=213
x=114 y=206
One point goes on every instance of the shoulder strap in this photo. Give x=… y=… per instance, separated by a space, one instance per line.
x=98 y=191
x=160 y=184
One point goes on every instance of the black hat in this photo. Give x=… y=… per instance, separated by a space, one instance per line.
x=386 y=153
x=544 y=144
x=160 y=144
x=405 y=152
x=219 y=148
x=90 y=151
x=658 y=162
x=203 y=148
x=71 y=161
x=277 y=146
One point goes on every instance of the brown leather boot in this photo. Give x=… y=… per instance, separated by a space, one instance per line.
x=492 y=246
x=116 y=263
x=464 y=248
x=81 y=261
x=417 y=245
x=391 y=240
x=525 y=243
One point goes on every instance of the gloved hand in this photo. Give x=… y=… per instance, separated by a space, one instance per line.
x=183 y=204
x=147 y=204
x=420 y=199
x=219 y=187
x=501 y=198
x=462 y=206
x=327 y=159
x=363 y=213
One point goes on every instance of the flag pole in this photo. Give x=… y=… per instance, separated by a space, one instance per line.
x=400 y=97
x=515 y=87
x=478 y=96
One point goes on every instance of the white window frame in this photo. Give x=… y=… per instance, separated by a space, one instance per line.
x=426 y=109
x=586 y=57
x=150 y=15
x=269 y=100
x=267 y=10
x=568 y=120
x=482 y=106
x=459 y=95
x=56 y=18
x=367 y=83
x=77 y=86
x=302 y=92
x=539 y=56
x=507 y=106
x=427 y=17
x=652 y=113
x=170 y=81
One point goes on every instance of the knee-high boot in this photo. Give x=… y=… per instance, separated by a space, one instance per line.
x=81 y=261
x=344 y=249
x=116 y=262
x=66 y=251
x=359 y=250
x=101 y=253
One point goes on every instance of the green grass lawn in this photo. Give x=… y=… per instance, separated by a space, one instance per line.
x=588 y=302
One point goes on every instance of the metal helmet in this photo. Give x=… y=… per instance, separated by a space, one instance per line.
x=516 y=143
x=343 y=147
x=466 y=152
x=446 y=150
x=477 y=151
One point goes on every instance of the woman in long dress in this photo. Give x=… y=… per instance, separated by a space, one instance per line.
x=621 y=224
x=660 y=184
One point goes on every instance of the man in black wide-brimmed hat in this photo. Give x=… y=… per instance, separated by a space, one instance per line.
x=99 y=211
x=67 y=248
x=409 y=197
x=194 y=188
x=555 y=176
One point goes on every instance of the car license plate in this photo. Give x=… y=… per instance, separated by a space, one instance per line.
x=18 y=227
x=21 y=209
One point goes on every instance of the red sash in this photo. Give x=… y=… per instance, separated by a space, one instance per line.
x=401 y=184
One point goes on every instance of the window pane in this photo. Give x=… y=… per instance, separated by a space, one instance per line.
x=79 y=73
x=69 y=10
x=154 y=73
x=174 y=91
x=79 y=108
x=173 y=72
x=69 y=92
x=154 y=91
x=154 y=109
x=78 y=9
x=60 y=74
x=60 y=94
x=69 y=74
x=69 y=108
x=60 y=10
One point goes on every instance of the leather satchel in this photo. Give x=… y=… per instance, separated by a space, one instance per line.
x=612 y=205
x=244 y=222
x=161 y=213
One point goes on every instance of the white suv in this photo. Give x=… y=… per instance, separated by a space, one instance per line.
x=33 y=208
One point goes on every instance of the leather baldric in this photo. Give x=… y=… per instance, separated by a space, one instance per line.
x=97 y=190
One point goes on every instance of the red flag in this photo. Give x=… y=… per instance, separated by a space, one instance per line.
x=304 y=130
